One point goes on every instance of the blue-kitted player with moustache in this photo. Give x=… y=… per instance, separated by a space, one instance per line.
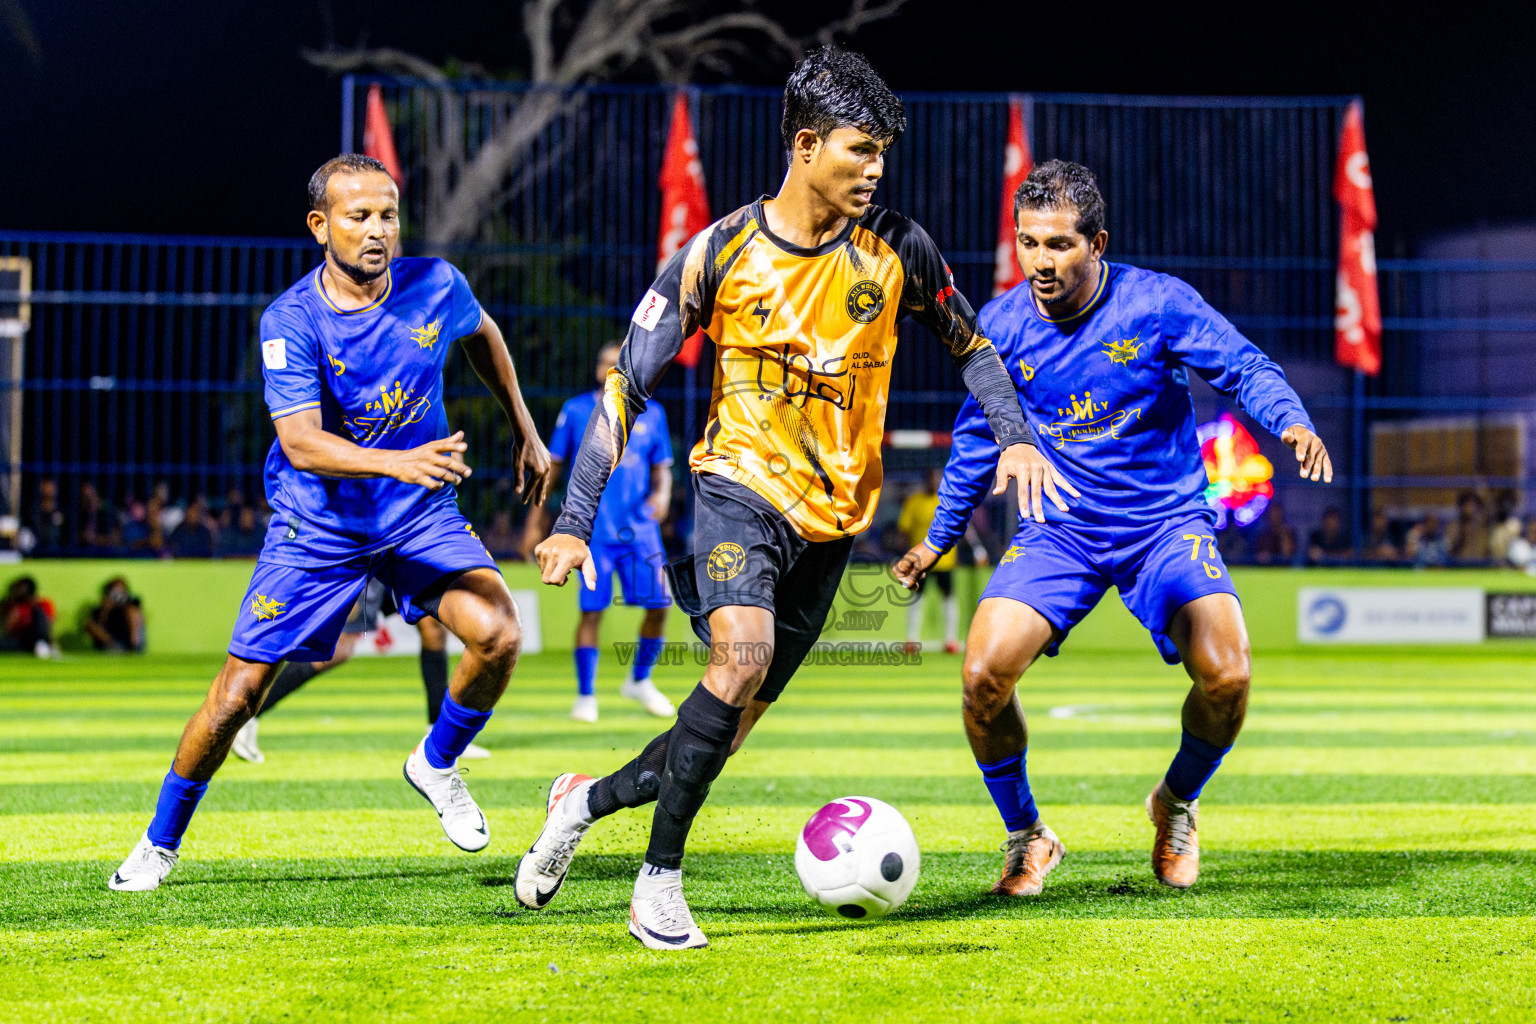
x=362 y=478
x=1100 y=353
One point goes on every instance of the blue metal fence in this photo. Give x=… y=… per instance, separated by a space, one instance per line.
x=142 y=366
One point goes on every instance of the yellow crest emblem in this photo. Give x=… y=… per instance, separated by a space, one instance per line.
x=266 y=608
x=426 y=335
x=726 y=561
x=1122 y=352
x=1011 y=555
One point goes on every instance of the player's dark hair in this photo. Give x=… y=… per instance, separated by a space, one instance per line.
x=834 y=89
x=1061 y=185
x=347 y=163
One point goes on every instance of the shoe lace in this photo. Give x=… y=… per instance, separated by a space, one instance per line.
x=671 y=911
x=1015 y=850
x=458 y=792
x=1181 y=826
x=558 y=853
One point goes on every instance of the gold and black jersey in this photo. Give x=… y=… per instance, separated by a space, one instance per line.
x=803 y=341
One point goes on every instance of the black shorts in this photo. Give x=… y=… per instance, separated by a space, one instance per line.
x=945 y=581
x=746 y=553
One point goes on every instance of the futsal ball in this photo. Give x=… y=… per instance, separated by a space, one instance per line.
x=857 y=857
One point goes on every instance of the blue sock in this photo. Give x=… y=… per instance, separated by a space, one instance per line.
x=1193 y=766
x=173 y=812
x=455 y=727
x=586 y=671
x=1010 y=791
x=645 y=657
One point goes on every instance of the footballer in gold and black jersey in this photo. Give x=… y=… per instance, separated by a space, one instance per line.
x=803 y=345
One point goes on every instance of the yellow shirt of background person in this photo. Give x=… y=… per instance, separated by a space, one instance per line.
x=916 y=516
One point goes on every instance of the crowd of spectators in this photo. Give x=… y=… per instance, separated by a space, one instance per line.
x=1472 y=537
x=151 y=527
x=158 y=526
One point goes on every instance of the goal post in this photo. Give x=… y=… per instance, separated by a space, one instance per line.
x=15 y=319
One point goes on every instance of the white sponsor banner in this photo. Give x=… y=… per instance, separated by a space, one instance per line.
x=1390 y=615
x=394 y=637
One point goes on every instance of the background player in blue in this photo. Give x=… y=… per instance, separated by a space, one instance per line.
x=1100 y=353
x=361 y=479
x=626 y=538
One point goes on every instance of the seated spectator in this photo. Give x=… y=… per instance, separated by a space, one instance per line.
x=501 y=540
x=153 y=542
x=1467 y=539
x=1506 y=527
x=47 y=520
x=171 y=514
x=229 y=515
x=27 y=618
x=134 y=529
x=243 y=538
x=193 y=536
x=1379 y=546
x=1275 y=543
x=1329 y=543
x=1522 y=550
x=98 y=526
x=1426 y=543
x=117 y=624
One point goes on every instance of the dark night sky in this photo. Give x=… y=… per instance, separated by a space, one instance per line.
x=201 y=117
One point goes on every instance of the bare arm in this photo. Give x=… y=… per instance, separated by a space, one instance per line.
x=487 y=353
x=659 y=501
x=540 y=516
x=313 y=449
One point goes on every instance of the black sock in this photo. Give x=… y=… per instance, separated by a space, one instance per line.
x=696 y=752
x=434 y=676
x=294 y=675
x=633 y=785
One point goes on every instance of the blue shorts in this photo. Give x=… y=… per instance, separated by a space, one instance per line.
x=641 y=567
x=1062 y=569
x=298 y=614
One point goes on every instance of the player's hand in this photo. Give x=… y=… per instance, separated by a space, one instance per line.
x=914 y=565
x=656 y=509
x=433 y=464
x=531 y=459
x=559 y=553
x=1310 y=452
x=1037 y=479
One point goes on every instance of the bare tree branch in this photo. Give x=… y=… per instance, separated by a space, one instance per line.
x=382 y=59
x=572 y=42
x=860 y=13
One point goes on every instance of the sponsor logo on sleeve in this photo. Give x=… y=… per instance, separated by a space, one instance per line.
x=648 y=313
x=274 y=353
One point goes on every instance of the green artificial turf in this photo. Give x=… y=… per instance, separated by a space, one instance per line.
x=1369 y=853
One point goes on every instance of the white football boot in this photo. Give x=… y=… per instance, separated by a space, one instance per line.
x=245 y=747
x=585 y=709
x=658 y=914
x=645 y=693
x=542 y=870
x=146 y=867
x=445 y=791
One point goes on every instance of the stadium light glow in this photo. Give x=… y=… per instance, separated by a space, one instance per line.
x=1240 y=477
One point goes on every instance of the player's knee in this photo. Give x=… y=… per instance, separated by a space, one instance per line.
x=987 y=692
x=237 y=703
x=495 y=635
x=1224 y=680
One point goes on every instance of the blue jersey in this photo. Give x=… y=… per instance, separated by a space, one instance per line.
x=621 y=512
x=376 y=376
x=1107 y=394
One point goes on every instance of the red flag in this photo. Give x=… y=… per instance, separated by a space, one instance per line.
x=1357 y=305
x=378 y=139
x=684 y=206
x=1016 y=165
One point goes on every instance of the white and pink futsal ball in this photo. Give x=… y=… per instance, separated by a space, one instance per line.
x=857 y=857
